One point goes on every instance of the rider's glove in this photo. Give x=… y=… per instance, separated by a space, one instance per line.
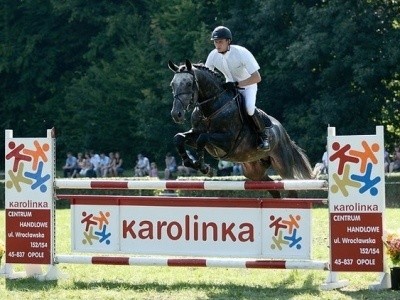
x=230 y=86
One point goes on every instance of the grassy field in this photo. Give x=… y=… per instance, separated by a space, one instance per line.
x=129 y=282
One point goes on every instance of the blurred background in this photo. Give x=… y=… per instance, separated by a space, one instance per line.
x=97 y=70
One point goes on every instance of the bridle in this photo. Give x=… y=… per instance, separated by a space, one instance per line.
x=195 y=87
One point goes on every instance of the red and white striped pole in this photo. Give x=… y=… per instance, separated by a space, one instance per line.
x=191 y=185
x=193 y=262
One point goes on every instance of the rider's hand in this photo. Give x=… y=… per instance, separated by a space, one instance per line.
x=230 y=86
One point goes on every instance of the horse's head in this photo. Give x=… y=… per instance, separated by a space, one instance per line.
x=184 y=89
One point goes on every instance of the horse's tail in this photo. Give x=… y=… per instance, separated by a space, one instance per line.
x=295 y=159
x=302 y=168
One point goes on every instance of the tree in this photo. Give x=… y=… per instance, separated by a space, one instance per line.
x=97 y=71
x=328 y=60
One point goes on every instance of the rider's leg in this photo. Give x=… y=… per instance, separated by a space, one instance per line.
x=263 y=124
x=263 y=128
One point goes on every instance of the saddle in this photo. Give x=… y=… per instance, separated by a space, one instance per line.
x=241 y=106
x=244 y=117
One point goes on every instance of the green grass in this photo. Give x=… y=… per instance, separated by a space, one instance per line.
x=130 y=282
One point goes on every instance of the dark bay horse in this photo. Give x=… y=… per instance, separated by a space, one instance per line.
x=221 y=128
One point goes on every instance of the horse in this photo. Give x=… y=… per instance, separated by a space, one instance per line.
x=222 y=128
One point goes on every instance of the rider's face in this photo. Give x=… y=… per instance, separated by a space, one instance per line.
x=221 y=45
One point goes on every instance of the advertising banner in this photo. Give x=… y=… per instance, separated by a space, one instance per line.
x=356 y=201
x=29 y=199
x=262 y=229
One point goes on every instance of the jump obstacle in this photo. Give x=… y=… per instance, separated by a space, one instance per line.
x=194 y=231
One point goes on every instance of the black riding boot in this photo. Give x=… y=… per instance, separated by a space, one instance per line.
x=263 y=131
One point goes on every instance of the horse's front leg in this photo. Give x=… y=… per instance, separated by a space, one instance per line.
x=180 y=140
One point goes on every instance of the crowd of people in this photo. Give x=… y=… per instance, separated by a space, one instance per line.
x=91 y=164
x=143 y=167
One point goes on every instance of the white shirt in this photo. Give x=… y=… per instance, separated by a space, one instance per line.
x=95 y=160
x=104 y=160
x=237 y=64
x=143 y=163
x=325 y=159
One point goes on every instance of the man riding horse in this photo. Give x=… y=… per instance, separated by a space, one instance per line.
x=241 y=71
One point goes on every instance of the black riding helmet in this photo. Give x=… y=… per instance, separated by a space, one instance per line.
x=221 y=32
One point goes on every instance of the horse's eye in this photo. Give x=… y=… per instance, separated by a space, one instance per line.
x=189 y=84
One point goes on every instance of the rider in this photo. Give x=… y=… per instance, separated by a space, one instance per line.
x=241 y=71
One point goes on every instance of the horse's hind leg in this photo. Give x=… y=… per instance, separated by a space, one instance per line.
x=278 y=166
x=257 y=170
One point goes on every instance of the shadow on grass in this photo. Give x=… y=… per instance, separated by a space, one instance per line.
x=280 y=290
x=30 y=284
x=284 y=289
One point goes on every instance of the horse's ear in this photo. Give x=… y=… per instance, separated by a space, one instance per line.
x=172 y=66
x=188 y=65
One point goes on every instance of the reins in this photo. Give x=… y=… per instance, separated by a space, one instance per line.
x=210 y=99
x=198 y=103
x=217 y=112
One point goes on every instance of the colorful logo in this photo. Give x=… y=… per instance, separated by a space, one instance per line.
x=286 y=232
x=30 y=159
x=96 y=228
x=361 y=178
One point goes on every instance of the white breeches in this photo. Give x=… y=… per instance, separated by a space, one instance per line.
x=249 y=94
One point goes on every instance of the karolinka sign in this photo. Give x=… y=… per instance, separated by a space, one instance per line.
x=356 y=201
x=192 y=226
x=29 y=202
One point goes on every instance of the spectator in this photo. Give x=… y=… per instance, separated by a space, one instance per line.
x=142 y=167
x=186 y=171
x=153 y=170
x=325 y=162
x=79 y=164
x=321 y=167
x=111 y=164
x=170 y=166
x=87 y=167
x=225 y=168
x=70 y=165
x=395 y=164
x=237 y=169
x=95 y=160
x=386 y=161
x=104 y=164
x=118 y=169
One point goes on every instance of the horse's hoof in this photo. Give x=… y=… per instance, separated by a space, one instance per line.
x=210 y=172
x=206 y=170
x=189 y=163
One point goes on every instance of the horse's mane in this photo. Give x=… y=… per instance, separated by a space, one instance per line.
x=200 y=66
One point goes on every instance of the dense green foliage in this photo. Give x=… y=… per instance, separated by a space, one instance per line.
x=97 y=70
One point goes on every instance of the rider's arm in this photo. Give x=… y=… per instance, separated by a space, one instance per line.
x=254 y=78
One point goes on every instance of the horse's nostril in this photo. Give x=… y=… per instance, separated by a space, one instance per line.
x=179 y=114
